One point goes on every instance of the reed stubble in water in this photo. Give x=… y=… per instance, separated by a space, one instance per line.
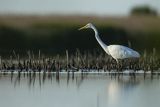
x=75 y=62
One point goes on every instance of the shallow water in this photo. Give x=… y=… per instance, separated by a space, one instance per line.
x=79 y=90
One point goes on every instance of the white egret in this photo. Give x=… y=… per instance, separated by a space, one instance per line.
x=116 y=51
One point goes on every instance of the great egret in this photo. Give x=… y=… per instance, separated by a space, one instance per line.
x=116 y=51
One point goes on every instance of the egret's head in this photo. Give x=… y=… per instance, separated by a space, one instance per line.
x=89 y=25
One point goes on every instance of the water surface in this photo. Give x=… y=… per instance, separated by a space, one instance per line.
x=78 y=90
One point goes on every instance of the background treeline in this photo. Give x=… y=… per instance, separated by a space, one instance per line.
x=144 y=10
x=55 y=34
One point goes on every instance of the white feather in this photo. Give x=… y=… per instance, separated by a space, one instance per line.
x=122 y=52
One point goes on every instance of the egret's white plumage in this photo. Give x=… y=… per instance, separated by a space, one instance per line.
x=116 y=51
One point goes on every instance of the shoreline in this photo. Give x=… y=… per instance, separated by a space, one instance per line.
x=84 y=71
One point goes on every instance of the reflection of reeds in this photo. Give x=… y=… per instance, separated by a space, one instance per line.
x=40 y=79
x=78 y=61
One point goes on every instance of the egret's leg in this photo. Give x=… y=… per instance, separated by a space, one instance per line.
x=117 y=61
x=118 y=65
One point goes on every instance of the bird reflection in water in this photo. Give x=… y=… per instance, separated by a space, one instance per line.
x=120 y=85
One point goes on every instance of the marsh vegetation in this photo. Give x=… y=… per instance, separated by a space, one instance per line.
x=38 y=62
x=52 y=43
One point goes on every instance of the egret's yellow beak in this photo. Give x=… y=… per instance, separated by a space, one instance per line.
x=84 y=27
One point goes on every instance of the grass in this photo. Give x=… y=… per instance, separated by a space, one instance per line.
x=129 y=22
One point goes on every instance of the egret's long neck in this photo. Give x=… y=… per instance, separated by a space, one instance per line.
x=104 y=46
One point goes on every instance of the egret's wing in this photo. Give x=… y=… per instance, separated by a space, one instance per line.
x=130 y=52
x=121 y=52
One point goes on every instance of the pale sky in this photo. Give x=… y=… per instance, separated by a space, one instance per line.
x=99 y=7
